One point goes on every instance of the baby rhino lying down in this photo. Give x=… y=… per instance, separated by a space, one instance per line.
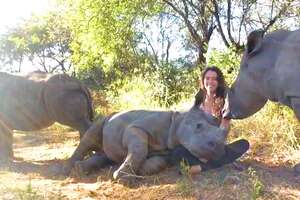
x=138 y=139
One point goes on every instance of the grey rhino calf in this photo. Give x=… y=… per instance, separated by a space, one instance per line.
x=36 y=101
x=136 y=138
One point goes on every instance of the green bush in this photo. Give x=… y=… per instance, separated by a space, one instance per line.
x=133 y=93
x=152 y=90
x=228 y=61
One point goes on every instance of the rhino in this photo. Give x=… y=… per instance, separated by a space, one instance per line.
x=137 y=139
x=269 y=70
x=36 y=101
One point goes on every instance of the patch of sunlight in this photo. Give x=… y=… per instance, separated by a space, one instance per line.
x=45 y=152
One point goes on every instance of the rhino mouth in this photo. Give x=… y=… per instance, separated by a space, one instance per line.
x=203 y=160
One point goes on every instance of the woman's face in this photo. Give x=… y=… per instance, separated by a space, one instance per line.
x=211 y=82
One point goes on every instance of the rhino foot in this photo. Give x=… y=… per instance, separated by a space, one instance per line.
x=80 y=169
x=125 y=178
x=6 y=154
x=56 y=169
x=66 y=168
x=297 y=169
x=153 y=165
x=121 y=174
x=5 y=163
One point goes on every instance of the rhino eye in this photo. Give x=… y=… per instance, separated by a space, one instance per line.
x=198 y=126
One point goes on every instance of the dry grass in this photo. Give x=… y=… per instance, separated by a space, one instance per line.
x=274 y=135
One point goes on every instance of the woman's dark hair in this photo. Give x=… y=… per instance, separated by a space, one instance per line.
x=199 y=98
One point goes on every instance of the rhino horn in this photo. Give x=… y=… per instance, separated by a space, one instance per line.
x=225 y=132
x=226 y=114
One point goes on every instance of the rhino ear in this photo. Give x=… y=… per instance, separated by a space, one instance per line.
x=254 y=41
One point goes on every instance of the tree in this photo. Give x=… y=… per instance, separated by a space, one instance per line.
x=199 y=22
x=163 y=44
x=104 y=36
x=236 y=19
x=233 y=20
x=43 y=40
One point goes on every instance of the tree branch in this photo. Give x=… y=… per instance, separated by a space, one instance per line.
x=215 y=12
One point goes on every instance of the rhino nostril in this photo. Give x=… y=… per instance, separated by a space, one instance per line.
x=212 y=144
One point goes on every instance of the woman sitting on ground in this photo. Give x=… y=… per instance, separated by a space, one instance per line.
x=211 y=99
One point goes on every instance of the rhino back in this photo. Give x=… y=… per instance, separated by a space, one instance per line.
x=288 y=65
x=155 y=123
x=21 y=103
x=38 y=76
x=283 y=79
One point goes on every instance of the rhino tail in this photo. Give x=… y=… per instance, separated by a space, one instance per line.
x=89 y=100
x=74 y=84
x=83 y=89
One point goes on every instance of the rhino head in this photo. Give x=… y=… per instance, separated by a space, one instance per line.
x=247 y=95
x=198 y=132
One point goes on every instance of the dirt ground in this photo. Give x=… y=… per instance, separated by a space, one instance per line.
x=38 y=154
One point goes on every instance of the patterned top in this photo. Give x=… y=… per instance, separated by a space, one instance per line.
x=215 y=109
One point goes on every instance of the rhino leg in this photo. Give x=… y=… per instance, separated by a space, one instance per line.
x=92 y=140
x=82 y=126
x=295 y=102
x=69 y=107
x=297 y=169
x=6 y=144
x=136 y=141
x=153 y=165
x=93 y=163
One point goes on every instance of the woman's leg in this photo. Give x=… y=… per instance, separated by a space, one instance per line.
x=232 y=152
x=180 y=154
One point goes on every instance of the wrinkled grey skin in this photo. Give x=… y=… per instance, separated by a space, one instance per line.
x=36 y=101
x=131 y=138
x=270 y=70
